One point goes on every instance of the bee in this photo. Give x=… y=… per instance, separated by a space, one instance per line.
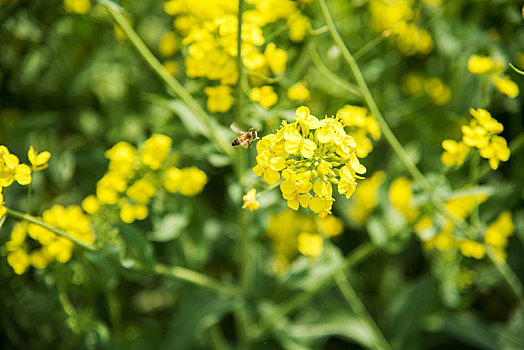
x=246 y=138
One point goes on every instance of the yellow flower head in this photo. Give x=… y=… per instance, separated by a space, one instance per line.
x=483 y=64
x=311 y=155
x=360 y=126
x=505 y=85
x=80 y=7
x=401 y=197
x=250 y=200
x=11 y=170
x=187 y=181
x=38 y=160
x=276 y=58
x=365 y=199
x=310 y=244
x=168 y=44
x=298 y=91
x=454 y=152
x=219 y=98
x=156 y=150
x=264 y=95
x=331 y=226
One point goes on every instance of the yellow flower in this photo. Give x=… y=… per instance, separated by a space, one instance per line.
x=505 y=85
x=472 y=249
x=497 y=150
x=454 y=152
x=156 y=150
x=141 y=191
x=91 y=204
x=296 y=144
x=365 y=199
x=269 y=166
x=168 y=44
x=250 y=200
x=264 y=95
x=38 y=160
x=295 y=188
x=323 y=201
x=310 y=244
x=331 y=226
x=187 y=181
x=497 y=233
x=121 y=159
x=131 y=212
x=170 y=66
x=401 y=197
x=219 y=98
x=298 y=26
x=77 y=6
x=276 y=58
x=11 y=170
x=482 y=64
x=298 y=92
x=437 y=90
x=18 y=260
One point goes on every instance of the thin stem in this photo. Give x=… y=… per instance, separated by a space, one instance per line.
x=352 y=298
x=216 y=336
x=33 y=220
x=330 y=75
x=280 y=311
x=508 y=274
x=368 y=46
x=474 y=174
x=173 y=84
x=194 y=277
x=388 y=134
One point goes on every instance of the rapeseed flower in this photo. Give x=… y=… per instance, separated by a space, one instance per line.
x=361 y=126
x=80 y=7
x=497 y=233
x=219 y=98
x=493 y=69
x=298 y=92
x=264 y=95
x=365 y=199
x=401 y=197
x=38 y=160
x=11 y=170
x=311 y=155
x=250 y=200
x=310 y=244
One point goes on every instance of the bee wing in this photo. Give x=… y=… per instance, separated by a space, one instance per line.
x=236 y=129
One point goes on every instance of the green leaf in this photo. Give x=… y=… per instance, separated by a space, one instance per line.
x=168 y=228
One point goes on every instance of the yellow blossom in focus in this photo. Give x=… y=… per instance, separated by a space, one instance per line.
x=80 y=7
x=454 y=152
x=264 y=95
x=298 y=92
x=38 y=160
x=310 y=244
x=156 y=149
x=11 y=170
x=219 y=98
x=250 y=200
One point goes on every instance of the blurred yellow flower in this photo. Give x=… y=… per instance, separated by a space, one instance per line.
x=168 y=44
x=155 y=151
x=219 y=98
x=505 y=85
x=331 y=226
x=276 y=58
x=365 y=199
x=401 y=197
x=483 y=64
x=454 y=152
x=250 y=200
x=298 y=92
x=472 y=249
x=310 y=244
x=80 y=7
x=264 y=95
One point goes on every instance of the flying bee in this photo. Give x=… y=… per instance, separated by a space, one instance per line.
x=246 y=138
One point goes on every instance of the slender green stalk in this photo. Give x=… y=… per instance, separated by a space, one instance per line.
x=216 y=337
x=368 y=46
x=352 y=298
x=508 y=274
x=353 y=90
x=474 y=175
x=244 y=244
x=194 y=277
x=388 y=134
x=33 y=220
x=280 y=311
x=173 y=84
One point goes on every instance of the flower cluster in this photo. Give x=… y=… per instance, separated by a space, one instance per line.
x=310 y=155
x=298 y=92
x=292 y=233
x=21 y=250
x=416 y=84
x=494 y=70
x=80 y=7
x=135 y=176
x=361 y=126
x=11 y=170
x=365 y=199
x=397 y=19
x=209 y=29
x=481 y=133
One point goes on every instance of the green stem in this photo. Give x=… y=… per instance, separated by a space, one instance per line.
x=352 y=298
x=388 y=134
x=33 y=220
x=280 y=311
x=368 y=46
x=353 y=90
x=474 y=175
x=194 y=277
x=173 y=84
x=508 y=274
x=216 y=337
